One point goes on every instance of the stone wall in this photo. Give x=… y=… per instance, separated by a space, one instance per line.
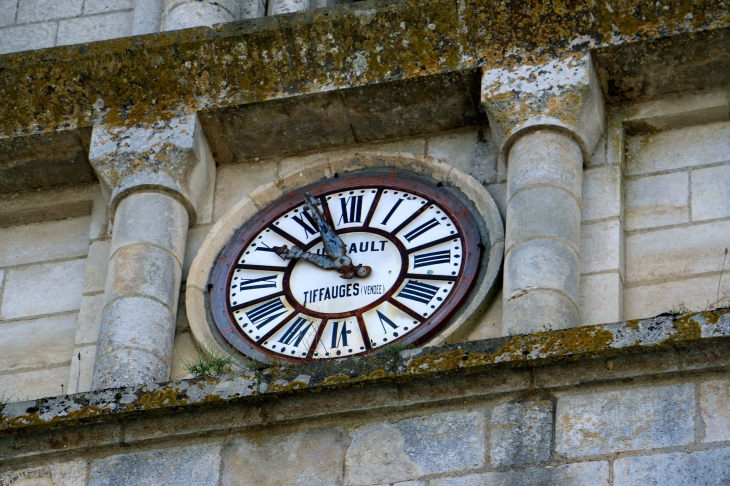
x=586 y=411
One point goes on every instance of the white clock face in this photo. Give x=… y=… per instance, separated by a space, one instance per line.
x=301 y=308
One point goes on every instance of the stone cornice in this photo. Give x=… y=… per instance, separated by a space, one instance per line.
x=143 y=79
x=483 y=357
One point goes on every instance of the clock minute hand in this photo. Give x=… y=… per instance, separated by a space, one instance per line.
x=322 y=261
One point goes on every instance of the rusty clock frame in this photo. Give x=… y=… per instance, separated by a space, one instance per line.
x=432 y=192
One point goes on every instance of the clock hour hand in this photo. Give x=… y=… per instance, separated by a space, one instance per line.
x=333 y=245
x=342 y=264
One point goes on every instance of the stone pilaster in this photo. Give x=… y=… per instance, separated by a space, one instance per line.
x=546 y=120
x=184 y=14
x=158 y=180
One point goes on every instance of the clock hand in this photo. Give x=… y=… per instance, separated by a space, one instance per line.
x=342 y=264
x=333 y=244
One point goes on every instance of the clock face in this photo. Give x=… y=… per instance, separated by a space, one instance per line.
x=277 y=293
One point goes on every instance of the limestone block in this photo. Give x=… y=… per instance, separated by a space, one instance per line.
x=601 y=193
x=194 y=466
x=578 y=474
x=401 y=451
x=43 y=289
x=140 y=323
x=539 y=310
x=601 y=298
x=543 y=212
x=144 y=270
x=196 y=236
x=657 y=201
x=676 y=252
x=715 y=410
x=89 y=324
x=171 y=155
x=708 y=468
x=8 y=9
x=499 y=194
x=311 y=458
x=29 y=385
x=601 y=247
x=711 y=193
x=545 y=158
x=99 y=27
x=599 y=158
x=184 y=351
x=531 y=265
x=604 y=422
x=147 y=17
x=97 y=263
x=40 y=10
x=54 y=474
x=82 y=370
x=103 y=6
x=693 y=293
x=98 y=227
x=278 y=7
x=253 y=9
x=562 y=93
x=37 y=342
x=491 y=325
x=404 y=145
x=236 y=181
x=52 y=240
x=184 y=14
x=128 y=367
x=472 y=152
x=676 y=149
x=521 y=433
x=27 y=37
x=150 y=217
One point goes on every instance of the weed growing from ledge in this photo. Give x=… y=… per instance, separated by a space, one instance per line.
x=209 y=364
x=396 y=349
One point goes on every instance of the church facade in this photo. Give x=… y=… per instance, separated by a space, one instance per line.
x=428 y=243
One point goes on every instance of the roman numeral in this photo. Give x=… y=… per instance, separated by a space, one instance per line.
x=307 y=225
x=418 y=291
x=392 y=210
x=339 y=335
x=384 y=320
x=351 y=209
x=258 y=283
x=296 y=332
x=265 y=313
x=427 y=226
x=433 y=258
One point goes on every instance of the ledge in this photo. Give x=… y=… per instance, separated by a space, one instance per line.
x=145 y=78
x=484 y=357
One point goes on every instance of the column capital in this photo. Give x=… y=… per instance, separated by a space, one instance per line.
x=170 y=156
x=561 y=94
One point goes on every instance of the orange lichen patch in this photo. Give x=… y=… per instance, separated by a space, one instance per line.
x=162 y=397
x=25 y=420
x=686 y=329
x=283 y=387
x=86 y=412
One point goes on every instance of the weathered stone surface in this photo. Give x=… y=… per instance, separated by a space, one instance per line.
x=278 y=7
x=676 y=149
x=81 y=373
x=99 y=27
x=101 y=6
x=196 y=236
x=37 y=342
x=52 y=240
x=311 y=458
x=147 y=17
x=472 y=152
x=194 y=465
x=19 y=38
x=90 y=318
x=236 y=181
x=491 y=325
x=710 y=195
x=404 y=450
x=128 y=367
x=8 y=9
x=40 y=10
x=601 y=247
x=601 y=298
x=97 y=264
x=521 y=433
x=630 y=419
x=676 y=252
x=184 y=351
x=659 y=200
x=710 y=468
x=543 y=212
x=29 y=385
x=714 y=409
x=43 y=289
x=55 y=474
x=602 y=195
x=189 y=14
x=578 y=474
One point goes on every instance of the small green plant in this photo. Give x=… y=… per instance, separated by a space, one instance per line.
x=210 y=364
x=679 y=309
x=396 y=348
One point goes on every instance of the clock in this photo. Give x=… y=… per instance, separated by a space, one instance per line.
x=346 y=267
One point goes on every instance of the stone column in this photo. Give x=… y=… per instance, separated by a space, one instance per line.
x=184 y=14
x=158 y=179
x=546 y=120
x=277 y=7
